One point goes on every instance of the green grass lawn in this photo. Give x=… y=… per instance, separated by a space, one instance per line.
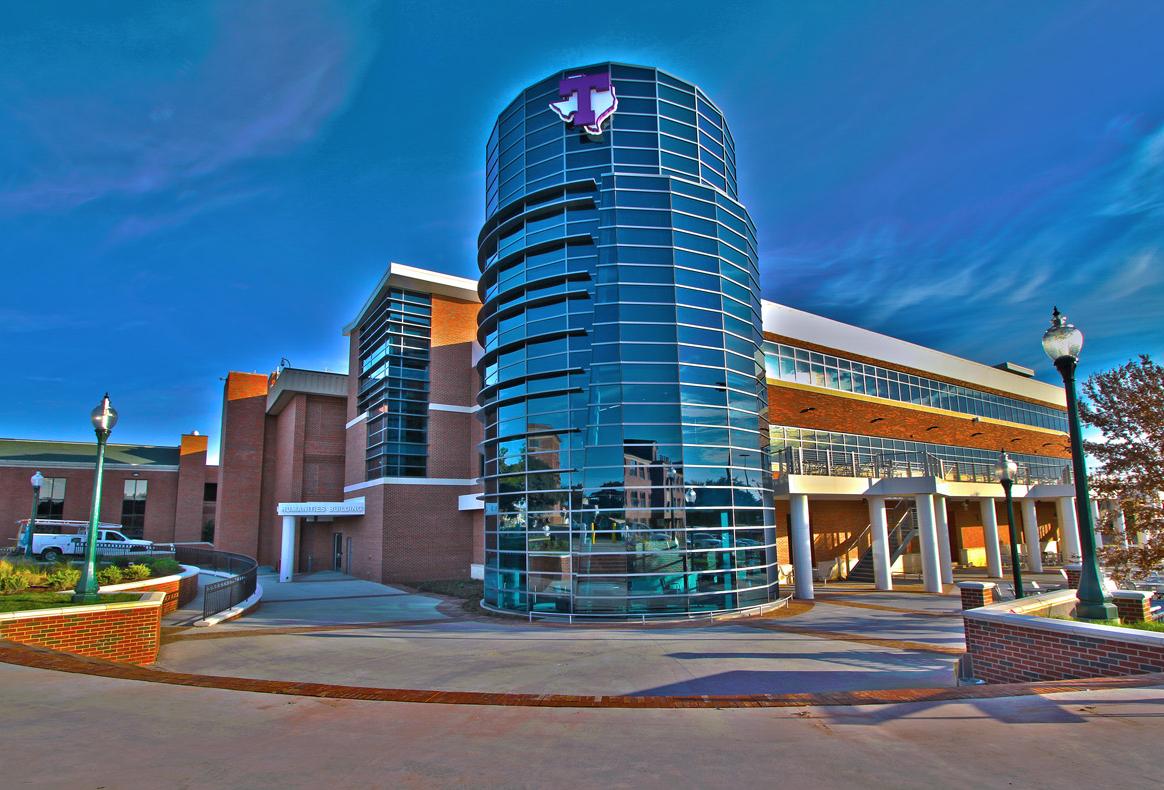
x=25 y=601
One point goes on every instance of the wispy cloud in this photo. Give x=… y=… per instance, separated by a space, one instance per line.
x=1096 y=237
x=264 y=80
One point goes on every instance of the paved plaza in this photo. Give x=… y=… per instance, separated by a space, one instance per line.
x=58 y=724
x=405 y=640
x=195 y=719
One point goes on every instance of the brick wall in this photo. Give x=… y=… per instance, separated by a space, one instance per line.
x=1009 y=653
x=161 y=498
x=179 y=590
x=192 y=478
x=241 y=463
x=127 y=632
x=425 y=535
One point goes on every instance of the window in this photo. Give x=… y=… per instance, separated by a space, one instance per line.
x=394 y=384
x=210 y=492
x=133 y=505
x=52 y=498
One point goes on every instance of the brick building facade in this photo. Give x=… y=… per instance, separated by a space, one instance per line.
x=299 y=436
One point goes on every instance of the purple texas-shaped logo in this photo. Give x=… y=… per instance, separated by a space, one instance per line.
x=588 y=100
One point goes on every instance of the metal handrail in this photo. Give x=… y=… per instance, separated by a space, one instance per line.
x=220 y=596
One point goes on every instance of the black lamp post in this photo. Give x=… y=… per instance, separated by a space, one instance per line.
x=1063 y=342
x=37 y=481
x=104 y=417
x=1007 y=469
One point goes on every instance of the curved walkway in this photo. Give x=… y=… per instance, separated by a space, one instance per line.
x=40 y=658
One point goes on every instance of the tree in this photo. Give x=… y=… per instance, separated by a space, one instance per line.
x=1127 y=405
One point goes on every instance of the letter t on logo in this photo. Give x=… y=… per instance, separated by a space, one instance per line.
x=582 y=84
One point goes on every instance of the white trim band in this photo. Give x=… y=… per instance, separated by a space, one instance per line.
x=413 y=481
x=450 y=407
x=357 y=420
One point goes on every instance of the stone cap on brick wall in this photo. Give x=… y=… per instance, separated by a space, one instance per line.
x=977 y=585
x=1013 y=613
x=147 y=600
x=1132 y=595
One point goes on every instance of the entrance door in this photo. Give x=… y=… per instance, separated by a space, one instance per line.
x=337 y=550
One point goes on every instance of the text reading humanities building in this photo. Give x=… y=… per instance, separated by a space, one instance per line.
x=610 y=421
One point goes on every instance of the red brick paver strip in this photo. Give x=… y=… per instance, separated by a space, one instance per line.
x=41 y=658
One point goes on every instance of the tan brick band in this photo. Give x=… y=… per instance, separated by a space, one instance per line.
x=60 y=662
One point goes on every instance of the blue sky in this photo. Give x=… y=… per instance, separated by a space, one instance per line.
x=189 y=188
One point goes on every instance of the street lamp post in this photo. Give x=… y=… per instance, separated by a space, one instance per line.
x=104 y=417
x=1006 y=471
x=1063 y=342
x=37 y=481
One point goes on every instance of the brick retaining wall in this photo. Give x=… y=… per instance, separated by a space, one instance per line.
x=1009 y=643
x=179 y=589
x=128 y=632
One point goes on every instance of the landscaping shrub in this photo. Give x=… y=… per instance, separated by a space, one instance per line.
x=135 y=572
x=110 y=574
x=164 y=566
x=15 y=578
x=62 y=577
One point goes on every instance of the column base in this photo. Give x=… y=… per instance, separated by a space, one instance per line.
x=1088 y=610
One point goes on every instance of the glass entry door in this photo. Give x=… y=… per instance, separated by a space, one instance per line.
x=337 y=550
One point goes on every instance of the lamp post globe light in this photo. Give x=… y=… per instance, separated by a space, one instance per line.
x=1006 y=470
x=1063 y=342
x=104 y=417
x=37 y=481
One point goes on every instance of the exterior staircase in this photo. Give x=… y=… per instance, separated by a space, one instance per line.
x=902 y=530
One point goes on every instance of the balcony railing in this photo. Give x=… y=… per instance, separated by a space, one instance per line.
x=834 y=463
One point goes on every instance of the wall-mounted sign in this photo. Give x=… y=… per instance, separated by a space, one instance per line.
x=349 y=507
x=588 y=100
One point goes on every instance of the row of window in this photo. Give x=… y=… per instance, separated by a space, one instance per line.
x=789 y=363
x=867 y=448
x=393 y=388
x=133 y=503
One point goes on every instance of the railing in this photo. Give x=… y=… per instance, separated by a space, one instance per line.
x=220 y=596
x=832 y=463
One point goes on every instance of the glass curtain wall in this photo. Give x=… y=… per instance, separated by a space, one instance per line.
x=624 y=400
x=394 y=381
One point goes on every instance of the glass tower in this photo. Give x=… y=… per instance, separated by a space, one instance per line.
x=623 y=392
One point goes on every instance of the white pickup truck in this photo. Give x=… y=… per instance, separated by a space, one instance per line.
x=55 y=539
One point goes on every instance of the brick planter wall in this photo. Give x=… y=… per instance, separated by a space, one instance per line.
x=179 y=589
x=1007 y=646
x=128 y=632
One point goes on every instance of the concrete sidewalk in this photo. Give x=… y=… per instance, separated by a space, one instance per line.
x=836 y=645
x=197 y=737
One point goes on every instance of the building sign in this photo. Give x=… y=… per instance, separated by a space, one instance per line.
x=350 y=507
x=588 y=100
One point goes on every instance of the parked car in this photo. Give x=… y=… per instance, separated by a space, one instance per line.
x=55 y=539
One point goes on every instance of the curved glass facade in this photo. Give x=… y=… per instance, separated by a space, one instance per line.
x=623 y=390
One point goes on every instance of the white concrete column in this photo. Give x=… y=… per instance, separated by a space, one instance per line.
x=801 y=540
x=287 y=552
x=990 y=538
x=1068 y=528
x=928 y=537
x=1120 y=522
x=942 y=526
x=879 y=527
x=1031 y=535
x=1095 y=522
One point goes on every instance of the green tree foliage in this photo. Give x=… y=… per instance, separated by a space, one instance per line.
x=1127 y=405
